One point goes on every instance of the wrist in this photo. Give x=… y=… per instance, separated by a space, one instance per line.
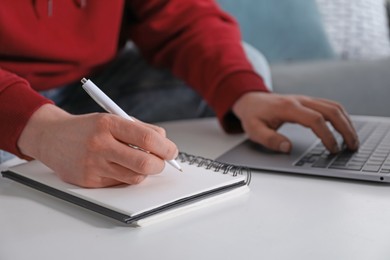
x=32 y=138
x=242 y=104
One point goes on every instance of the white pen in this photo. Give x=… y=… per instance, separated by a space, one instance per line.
x=110 y=106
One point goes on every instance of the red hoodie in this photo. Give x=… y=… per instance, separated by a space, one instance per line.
x=45 y=44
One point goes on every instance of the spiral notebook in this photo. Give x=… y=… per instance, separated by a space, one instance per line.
x=202 y=183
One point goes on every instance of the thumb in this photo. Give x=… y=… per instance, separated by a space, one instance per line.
x=271 y=139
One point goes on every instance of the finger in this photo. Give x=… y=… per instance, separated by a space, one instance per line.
x=262 y=134
x=105 y=182
x=337 y=116
x=90 y=179
x=119 y=174
x=144 y=137
x=98 y=182
x=104 y=174
x=116 y=178
x=156 y=128
x=342 y=109
x=133 y=159
x=315 y=121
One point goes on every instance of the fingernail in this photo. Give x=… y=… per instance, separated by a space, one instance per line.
x=284 y=147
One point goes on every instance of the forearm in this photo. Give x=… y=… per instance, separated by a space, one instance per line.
x=38 y=128
x=204 y=48
x=17 y=103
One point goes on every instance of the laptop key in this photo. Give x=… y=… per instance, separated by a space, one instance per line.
x=323 y=162
x=371 y=168
x=346 y=167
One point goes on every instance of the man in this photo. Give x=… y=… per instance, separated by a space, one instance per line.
x=48 y=45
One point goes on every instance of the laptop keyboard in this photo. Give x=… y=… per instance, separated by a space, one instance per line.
x=373 y=155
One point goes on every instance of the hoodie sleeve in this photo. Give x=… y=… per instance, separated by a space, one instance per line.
x=18 y=101
x=201 y=45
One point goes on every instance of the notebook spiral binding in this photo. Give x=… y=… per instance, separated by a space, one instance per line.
x=216 y=166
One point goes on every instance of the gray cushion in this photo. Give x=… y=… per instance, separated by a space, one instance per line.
x=363 y=87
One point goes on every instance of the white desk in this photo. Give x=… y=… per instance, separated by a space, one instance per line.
x=283 y=217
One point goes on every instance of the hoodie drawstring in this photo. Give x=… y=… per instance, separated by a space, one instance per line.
x=50 y=6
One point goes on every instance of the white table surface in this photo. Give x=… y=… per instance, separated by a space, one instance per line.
x=282 y=217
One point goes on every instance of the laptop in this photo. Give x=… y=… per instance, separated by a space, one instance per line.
x=308 y=156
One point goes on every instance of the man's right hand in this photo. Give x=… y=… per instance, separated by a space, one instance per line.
x=92 y=150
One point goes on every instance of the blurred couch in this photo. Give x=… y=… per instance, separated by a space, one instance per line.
x=292 y=37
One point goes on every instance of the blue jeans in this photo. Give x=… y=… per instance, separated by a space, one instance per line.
x=149 y=94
